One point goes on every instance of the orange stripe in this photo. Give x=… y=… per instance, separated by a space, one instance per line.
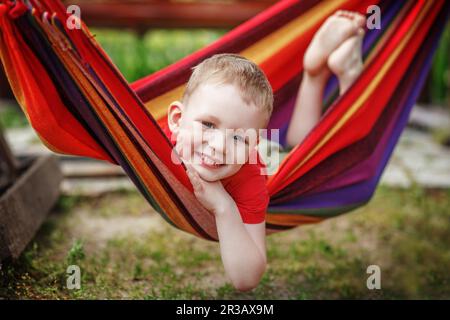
x=370 y=89
x=137 y=162
x=290 y=220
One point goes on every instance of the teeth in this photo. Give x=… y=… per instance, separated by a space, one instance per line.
x=209 y=161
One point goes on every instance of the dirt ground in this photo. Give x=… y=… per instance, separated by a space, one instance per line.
x=125 y=250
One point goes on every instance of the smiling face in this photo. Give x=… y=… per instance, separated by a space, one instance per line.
x=216 y=131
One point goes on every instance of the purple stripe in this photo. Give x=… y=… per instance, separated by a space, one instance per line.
x=362 y=192
x=361 y=171
x=389 y=9
x=283 y=111
x=340 y=161
x=149 y=88
x=69 y=93
x=74 y=100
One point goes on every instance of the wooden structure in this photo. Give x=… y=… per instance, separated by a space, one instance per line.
x=142 y=15
x=145 y=14
x=28 y=190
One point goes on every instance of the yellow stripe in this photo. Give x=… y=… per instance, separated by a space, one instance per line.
x=259 y=51
x=365 y=95
x=158 y=106
x=392 y=28
x=267 y=47
x=138 y=164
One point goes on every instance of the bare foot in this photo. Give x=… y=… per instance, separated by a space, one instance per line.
x=346 y=61
x=335 y=30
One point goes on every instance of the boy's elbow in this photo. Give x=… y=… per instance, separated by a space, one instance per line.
x=243 y=287
x=249 y=282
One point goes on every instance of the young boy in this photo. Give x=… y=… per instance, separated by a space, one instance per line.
x=215 y=129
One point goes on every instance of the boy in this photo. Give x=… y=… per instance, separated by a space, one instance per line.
x=215 y=128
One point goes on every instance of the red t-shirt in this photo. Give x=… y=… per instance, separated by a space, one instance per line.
x=248 y=189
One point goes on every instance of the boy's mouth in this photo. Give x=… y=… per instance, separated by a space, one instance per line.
x=209 y=162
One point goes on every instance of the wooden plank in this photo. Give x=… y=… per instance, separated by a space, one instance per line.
x=89 y=168
x=24 y=206
x=95 y=187
x=142 y=15
x=8 y=161
x=5 y=88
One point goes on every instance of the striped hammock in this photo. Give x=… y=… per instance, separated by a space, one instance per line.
x=79 y=103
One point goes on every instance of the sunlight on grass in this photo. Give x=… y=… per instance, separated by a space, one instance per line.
x=138 y=56
x=405 y=232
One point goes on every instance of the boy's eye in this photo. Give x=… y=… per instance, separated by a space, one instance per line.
x=238 y=138
x=207 y=124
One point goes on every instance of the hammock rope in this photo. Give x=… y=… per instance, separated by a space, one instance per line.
x=79 y=103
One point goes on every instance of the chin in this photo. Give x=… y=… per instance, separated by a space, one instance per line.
x=208 y=175
x=212 y=175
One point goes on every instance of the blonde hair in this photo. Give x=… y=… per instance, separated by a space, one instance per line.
x=236 y=70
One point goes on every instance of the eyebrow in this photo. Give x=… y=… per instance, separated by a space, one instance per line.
x=211 y=117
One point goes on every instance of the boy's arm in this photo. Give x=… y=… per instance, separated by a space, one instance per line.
x=242 y=246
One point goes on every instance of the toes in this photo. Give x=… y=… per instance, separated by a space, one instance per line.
x=343 y=13
x=339 y=13
x=359 y=36
x=359 y=20
x=347 y=57
x=356 y=17
x=360 y=33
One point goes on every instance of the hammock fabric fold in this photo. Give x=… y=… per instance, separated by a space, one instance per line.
x=80 y=104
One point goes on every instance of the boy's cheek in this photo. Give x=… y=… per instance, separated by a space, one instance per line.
x=193 y=135
x=183 y=148
x=238 y=157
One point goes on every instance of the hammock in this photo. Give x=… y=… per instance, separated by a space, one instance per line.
x=80 y=104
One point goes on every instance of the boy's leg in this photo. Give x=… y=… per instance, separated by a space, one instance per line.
x=340 y=27
x=308 y=107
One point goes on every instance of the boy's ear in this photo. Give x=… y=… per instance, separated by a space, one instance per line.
x=174 y=115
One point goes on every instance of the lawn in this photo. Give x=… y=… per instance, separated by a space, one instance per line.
x=127 y=251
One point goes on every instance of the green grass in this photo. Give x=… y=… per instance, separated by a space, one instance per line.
x=405 y=232
x=11 y=116
x=438 y=84
x=135 y=56
x=138 y=56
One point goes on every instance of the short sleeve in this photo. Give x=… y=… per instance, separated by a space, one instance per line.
x=249 y=191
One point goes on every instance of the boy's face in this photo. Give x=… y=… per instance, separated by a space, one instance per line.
x=216 y=131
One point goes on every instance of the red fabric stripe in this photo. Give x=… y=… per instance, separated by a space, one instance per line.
x=362 y=122
x=47 y=113
x=288 y=62
x=179 y=72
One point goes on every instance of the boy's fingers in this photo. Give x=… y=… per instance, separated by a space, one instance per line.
x=185 y=150
x=197 y=185
x=194 y=178
x=185 y=154
x=190 y=169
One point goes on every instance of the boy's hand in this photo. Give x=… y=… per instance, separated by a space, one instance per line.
x=212 y=195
